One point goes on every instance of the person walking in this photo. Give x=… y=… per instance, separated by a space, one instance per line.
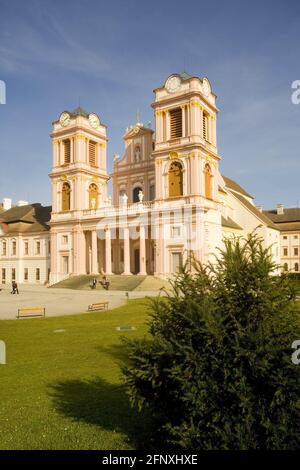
x=15 y=289
x=105 y=282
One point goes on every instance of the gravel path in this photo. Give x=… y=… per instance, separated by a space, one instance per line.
x=59 y=301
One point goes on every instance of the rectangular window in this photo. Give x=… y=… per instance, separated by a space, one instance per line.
x=3 y=248
x=14 y=248
x=65 y=239
x=296 y=251
x=285 y=251
x=285 y=237
x=296 y=237
x=3 y=275
x=176 y=262
x=49 y=247
x=92 y=153
x=26 y=248
x=175 y=232
x=65 y=264
x=37 y=274
x=13 y=274
x=67 y=151
x=25 y=274
x=38 y=248
x=176 y=123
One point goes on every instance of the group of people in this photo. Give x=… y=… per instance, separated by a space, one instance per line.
x=104 y=283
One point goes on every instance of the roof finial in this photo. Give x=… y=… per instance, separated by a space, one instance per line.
x=138 y=116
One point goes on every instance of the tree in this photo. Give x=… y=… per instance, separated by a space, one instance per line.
x=216 y=369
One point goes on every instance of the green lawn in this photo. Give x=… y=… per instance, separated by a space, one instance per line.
x=63 y=390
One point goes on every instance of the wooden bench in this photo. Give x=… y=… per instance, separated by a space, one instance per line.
x=31 y=312
x=102 y=305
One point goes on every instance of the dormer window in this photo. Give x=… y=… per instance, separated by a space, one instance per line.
x=176 y=123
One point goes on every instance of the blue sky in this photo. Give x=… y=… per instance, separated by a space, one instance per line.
x=110 y=55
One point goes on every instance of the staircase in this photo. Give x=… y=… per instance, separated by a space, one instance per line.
x=117 y=282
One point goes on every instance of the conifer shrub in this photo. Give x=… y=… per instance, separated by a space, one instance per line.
x=216 y=369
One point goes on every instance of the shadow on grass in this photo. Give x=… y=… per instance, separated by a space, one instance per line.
x=103 y=404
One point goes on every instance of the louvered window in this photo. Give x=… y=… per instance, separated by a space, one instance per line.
x=205 y=126
x=176 y=123
x=92 y=153
x=67 y=151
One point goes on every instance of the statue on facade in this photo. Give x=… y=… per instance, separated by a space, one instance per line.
x=124 y=199
x=141 y=196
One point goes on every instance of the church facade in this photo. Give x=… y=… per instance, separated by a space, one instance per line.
x=169 y=199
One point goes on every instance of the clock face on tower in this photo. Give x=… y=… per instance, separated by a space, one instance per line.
x=173 y=84
x=94 y=120
x=206 y=87
x=64 y=119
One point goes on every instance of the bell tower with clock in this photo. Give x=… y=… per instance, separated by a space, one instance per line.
x=79 y=187
x=186 y=146
x=79 y=176
x=186 y=171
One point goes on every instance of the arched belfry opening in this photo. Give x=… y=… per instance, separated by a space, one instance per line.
x=208 y=181
x=175 y=177
x=66 y=197
x=93 y=196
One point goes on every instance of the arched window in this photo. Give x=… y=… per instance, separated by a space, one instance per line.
x=175 y=176
x=137 y=154
x=66 y=197
x=208 y=181
x=93 y=196
x=296 y=267
x=135 y=194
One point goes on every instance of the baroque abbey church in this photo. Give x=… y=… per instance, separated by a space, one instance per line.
x=169 y=199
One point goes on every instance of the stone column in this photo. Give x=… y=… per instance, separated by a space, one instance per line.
x=95 y=269
x=183 y=120
x=61 y=153
x=168 y=130
x=107 y=252
x=142 y=251
x=126 y=251
x=53 y=257
x=72 y=150
x=82 y=252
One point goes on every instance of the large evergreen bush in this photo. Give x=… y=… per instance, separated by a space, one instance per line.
x=217 y=371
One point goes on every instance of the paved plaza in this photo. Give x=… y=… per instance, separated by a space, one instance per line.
x=59 y=301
